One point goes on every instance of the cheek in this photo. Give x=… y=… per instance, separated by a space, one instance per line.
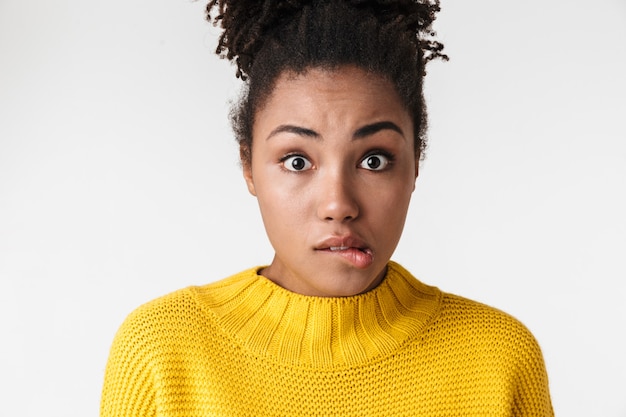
x=388 y=206
x=283 y=206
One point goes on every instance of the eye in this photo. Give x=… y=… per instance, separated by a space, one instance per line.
x=296 y=163
x=375 y=162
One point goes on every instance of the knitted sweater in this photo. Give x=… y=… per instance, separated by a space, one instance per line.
x=244 y=346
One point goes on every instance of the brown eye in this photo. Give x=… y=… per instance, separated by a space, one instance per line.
x=375 y=162
x=296 y=163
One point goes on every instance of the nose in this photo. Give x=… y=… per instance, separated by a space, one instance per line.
x=337 y=199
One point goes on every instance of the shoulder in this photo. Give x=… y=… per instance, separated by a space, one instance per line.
x=169 y=332
x=485 y=331
x=452 y=312
x=179 y=311
x=151 y=323
x=460 y=321
x=459 y=312
x=487 y=347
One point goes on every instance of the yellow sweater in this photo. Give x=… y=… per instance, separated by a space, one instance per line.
x=244 y=346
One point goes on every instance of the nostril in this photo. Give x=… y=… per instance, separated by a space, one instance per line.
x=345 y=218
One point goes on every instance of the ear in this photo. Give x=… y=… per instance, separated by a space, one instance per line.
x=417 y=171
x=246 y=164
x=247 y=175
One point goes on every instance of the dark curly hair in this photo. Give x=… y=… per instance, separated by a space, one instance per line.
x=265 y=38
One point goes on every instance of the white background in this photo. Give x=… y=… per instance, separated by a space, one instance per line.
x=119 y=182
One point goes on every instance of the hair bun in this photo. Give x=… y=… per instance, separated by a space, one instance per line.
x=247 y=24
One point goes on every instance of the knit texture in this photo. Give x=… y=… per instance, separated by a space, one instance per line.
x=244 y=346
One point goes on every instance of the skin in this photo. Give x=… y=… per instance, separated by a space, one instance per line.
x=333 y=164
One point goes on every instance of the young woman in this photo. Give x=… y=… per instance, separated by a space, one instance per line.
x=331 y=128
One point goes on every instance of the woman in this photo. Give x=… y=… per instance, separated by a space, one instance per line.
x=331 y=129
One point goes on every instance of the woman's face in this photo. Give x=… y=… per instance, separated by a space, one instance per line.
x=333 y=168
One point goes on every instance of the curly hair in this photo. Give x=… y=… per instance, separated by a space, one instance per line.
x=264 y=38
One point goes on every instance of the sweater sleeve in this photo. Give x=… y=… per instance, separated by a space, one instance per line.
x=532 y=394
x=493 y=354
x=129 y=388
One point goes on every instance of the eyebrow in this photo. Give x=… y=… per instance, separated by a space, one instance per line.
x=296 y=130
x=362 y=132
x=369 y=130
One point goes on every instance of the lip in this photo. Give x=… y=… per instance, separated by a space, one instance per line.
x=345 y=241
x=350 y=248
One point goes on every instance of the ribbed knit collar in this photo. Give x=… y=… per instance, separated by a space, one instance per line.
x=320 y=332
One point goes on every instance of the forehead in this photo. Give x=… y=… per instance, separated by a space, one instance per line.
x=348 y=81
x=343 y=94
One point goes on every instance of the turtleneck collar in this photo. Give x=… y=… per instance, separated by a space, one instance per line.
x=320 y=332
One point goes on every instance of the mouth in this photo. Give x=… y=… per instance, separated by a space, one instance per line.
x=344 y=248
x=348 y=249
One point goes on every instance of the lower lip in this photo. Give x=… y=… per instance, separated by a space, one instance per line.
x=358 y=258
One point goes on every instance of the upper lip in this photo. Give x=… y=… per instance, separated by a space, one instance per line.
x=337 y=241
